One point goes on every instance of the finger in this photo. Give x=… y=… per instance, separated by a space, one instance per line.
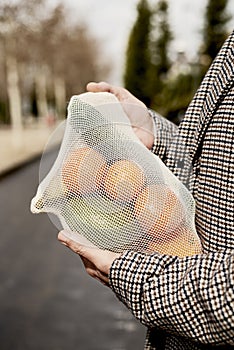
x=94 y=272
x=78 y=238
x=67 y=240
x=97 y=274
x=102 y=86
x=105 y=283
x=98 y=87
x=89 y=266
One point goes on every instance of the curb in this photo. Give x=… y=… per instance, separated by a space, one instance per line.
x=18 y=166
x=28 y=160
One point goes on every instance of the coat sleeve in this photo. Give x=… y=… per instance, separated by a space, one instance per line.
x=164 y=132
x=192 y=297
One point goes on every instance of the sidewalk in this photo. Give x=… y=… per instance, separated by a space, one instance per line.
x=18 y=147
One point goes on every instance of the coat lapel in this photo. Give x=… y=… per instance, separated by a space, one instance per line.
x=223 y=81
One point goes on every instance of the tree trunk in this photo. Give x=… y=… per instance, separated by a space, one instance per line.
x=13 y=92
x=41 y=91
x=60 y=96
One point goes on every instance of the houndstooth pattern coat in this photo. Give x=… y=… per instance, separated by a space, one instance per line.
x=188 y=303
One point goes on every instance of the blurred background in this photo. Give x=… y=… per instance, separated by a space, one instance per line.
x=49 y=50
x=158 y=49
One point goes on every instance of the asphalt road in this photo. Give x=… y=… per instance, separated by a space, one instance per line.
x=47 y=302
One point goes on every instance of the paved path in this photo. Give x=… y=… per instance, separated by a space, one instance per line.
x=47 y=301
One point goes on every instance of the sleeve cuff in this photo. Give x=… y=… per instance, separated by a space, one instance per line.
x=124 y=276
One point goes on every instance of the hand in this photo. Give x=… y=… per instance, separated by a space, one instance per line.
x=135 y=109
x=97 y=262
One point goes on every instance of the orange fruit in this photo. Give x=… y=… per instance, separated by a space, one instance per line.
x=159 y=211
x=83 y=170
x=184 y=244
x=124 y=180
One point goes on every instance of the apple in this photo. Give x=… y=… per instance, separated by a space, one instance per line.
x=104 y=223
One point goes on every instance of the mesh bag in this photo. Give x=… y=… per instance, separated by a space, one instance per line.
x=106 y=186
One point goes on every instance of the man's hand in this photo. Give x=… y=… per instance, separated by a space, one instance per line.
x=97 y=262
x=135 y=109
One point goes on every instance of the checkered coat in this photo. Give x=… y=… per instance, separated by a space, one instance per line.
x=188 y=303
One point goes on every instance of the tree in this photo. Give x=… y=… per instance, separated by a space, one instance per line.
x=147 y=59
x=15 y=20
x=8 y=29
x=214 y=32
x=161 y=40
x=177 y=92
x=138 y=56
x=49 y=41
x=44 y=59
x=4 y=114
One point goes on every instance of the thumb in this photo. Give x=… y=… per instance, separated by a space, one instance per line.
x=76 y=242
x=102 y=259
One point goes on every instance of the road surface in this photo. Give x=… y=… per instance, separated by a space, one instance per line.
x=47 y=302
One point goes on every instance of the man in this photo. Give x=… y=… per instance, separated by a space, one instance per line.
x=186 y=303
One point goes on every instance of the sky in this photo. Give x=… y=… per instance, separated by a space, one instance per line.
x=111 y=22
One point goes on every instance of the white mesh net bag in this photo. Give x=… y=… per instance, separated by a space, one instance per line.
x=108 y=187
